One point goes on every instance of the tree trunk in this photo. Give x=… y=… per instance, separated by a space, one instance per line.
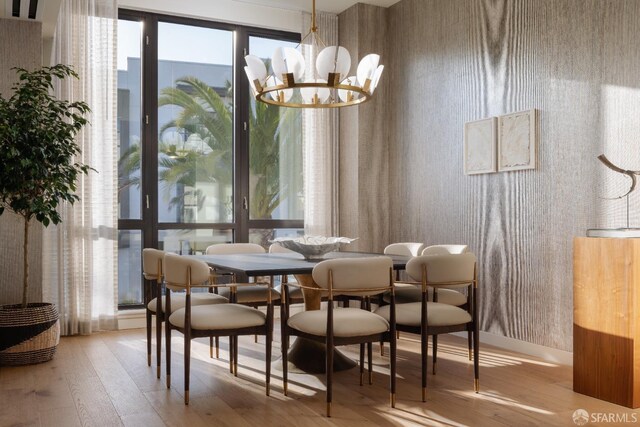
x=25 y=264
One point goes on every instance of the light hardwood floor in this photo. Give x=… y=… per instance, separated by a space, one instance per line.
x=104 y=380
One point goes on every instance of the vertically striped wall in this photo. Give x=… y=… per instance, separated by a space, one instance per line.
x=453 y=61
x=20 y=46
x=363 y=160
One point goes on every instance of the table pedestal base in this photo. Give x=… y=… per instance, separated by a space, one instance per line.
x=306 y=356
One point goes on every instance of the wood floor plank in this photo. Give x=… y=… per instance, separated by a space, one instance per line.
x=104 y=380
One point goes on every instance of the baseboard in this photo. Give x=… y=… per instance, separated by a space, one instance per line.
x=546 y=353
x=132 y=319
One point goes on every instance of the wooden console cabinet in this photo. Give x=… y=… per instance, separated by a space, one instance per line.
x=606 y=319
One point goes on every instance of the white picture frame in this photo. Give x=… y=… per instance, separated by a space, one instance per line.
x=480 y=146
x=517 y=141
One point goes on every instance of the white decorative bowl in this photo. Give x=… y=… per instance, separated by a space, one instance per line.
x=312 y=247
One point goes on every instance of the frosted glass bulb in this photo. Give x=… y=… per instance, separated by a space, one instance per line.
x=308 y=93
x=251 y=79
x=343 y=94
x=287 y=93
x=367 y=68
x=376 y=78
x=257 y=67
x=287 y=60
x=333 y=59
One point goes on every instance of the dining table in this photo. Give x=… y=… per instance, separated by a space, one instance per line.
x=304 y=355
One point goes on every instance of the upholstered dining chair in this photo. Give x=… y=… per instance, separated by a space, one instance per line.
x=342 y=326
x=409 y=292
x=153 y=274
x=446 y=271
x=447 y=296
x=232 y=320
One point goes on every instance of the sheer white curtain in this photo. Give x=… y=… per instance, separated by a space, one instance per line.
x=320 y=136
x=80 y=255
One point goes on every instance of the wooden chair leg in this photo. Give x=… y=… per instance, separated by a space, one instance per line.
x=470 y=340
x=381 y=348
x=361 y=363
x=435 y=354
x=159 y=320
x=148 y=338
x=284 y=337
x=424 y=343
x=235 y=356
x=392 y=357
x=211 y=347
x=187 y=366
x=476 y=359
x=329 y=368
x=167 y=361
x=231 y=338
x=217 y=339
x=370 y=361
x=269 y=339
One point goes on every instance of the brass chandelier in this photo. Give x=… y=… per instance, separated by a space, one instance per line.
x=325 y=85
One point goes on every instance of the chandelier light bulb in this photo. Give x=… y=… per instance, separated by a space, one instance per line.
x=287 y=60
x=333 y=59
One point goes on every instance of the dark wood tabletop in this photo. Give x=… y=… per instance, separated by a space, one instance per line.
x=282 y=263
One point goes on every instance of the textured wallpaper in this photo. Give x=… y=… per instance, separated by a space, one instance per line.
x=448 y=62
x=20 y=46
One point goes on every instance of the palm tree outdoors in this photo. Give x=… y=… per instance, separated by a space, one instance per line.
x=204 y=116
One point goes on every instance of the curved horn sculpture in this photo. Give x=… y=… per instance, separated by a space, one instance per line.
x=631 y=174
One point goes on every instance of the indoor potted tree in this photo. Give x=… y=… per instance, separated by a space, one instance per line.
x=37 y=173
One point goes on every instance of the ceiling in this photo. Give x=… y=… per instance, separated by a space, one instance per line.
x=333 y=6
x=45 y=11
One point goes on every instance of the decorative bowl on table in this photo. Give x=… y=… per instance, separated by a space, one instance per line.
x=312 y=247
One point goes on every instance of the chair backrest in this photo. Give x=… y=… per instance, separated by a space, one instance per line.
x=234 y=248
x=152 y=263
x=404 y=249
x=444 y=249
x=178 y=269
x=451 y=270
x=368 y=275
x=276 y=248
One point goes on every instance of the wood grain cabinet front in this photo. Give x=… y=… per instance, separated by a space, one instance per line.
x=606 y=319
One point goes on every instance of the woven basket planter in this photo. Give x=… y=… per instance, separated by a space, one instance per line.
x=28 y=335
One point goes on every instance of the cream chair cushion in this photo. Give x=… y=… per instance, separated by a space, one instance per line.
x=404 y=249
x=251 y=293
x=406 y=293
x=178 y=300
x=177 y=269
x=438 y=314
x=347 y=322
x=219 y=317
x=151 y=263
x=354 y=273
x=444 y=249
x=445 y=268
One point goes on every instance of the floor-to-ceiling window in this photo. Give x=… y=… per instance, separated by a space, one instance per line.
x=200 y=161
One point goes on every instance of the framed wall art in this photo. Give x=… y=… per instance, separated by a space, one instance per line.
x=480 y=146
x=517 y=141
